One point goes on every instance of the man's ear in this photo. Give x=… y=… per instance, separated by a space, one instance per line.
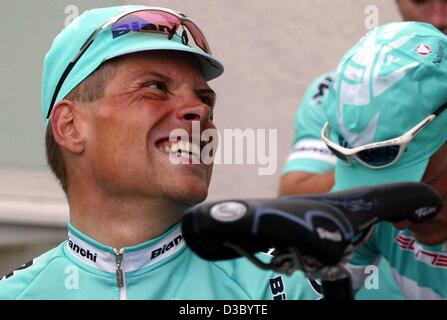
x=68 y=127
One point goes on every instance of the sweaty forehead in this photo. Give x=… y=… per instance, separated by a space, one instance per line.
x=182 y=66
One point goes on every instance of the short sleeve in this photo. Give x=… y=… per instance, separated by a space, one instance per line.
x=308 y=152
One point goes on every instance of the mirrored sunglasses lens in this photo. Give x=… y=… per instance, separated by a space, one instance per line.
x=198 y=36
x=146 y=21
x=154 y=21
x=379 y=157
x=339 y=155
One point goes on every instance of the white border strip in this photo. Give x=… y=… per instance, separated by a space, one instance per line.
x=25 y=211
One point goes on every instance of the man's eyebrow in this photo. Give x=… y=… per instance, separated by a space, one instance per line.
x=166 y=78
x=144 y=75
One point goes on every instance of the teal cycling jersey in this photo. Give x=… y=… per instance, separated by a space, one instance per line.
x=308 y=152
x=419 y=270
x=163 y=268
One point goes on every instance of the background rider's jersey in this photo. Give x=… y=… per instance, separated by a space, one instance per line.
x=308 y=152
x=163 y=268
x=419 y=270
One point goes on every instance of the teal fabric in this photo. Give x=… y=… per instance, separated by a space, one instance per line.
x=346 y=179
x=388 y=289
x=67 y=44
x=421 y=271
x=182 y=275
x=309 y=120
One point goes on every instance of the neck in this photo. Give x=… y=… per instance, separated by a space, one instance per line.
x=121 y=222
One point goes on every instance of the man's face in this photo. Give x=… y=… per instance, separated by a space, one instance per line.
x=429 y=11
x=128 y=129
x=434 y=231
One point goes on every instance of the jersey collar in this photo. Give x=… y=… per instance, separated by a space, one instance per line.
x=99 y=256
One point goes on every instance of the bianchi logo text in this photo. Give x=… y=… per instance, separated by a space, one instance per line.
x=120 y=30
x=85 y=253
x=166 y=247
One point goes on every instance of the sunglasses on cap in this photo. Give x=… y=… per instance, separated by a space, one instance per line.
x=378 y=155
x=154 y=20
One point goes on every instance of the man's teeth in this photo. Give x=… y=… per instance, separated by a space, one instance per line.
x=184 y=148
x=166 y=148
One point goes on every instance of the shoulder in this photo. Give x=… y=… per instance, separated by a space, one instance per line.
x=13 y=284
x=317 y=92
x=310 y=116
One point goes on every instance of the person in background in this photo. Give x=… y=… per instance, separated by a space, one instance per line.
x=387 y=123
x=310 y=165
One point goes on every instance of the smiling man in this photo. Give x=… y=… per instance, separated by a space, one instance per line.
x=116 y=83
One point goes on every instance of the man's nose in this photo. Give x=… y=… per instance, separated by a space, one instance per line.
x=194 y=112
